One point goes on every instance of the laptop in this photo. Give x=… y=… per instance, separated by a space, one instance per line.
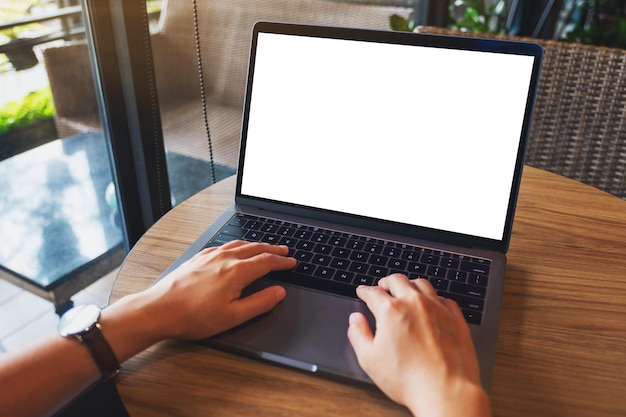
x=373 y=152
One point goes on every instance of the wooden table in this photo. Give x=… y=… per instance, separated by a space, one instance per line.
x=562 y=341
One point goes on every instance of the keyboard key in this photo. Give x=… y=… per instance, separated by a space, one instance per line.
x=475 y=267
x=286 y=231
x=464 y=302
x=237 y=220
x=253 y=225
x=373 y=248
x=430 y=259
x=458 y=276
x=450 y=263
x=466 y=289
x=321 y=260
x=355 y=244
x=392 y=252
x=410 y=255
x=305 y=268
x=271 y=239
x=337 y=241
x=363 y=280
x=220 y=239
x=236 y=231
x=303 y=256
x=358 y=267
x=397 y=264
x=322 y=248
x=341 y=253
x=439 y=283
x=343 y=276
x=359 y=256
x=340 y=263
x=477 y=279
x=473 y=317
x=253 y=236
x=378 y=271
x=305 y=245
x=378 y=260
x=415 y=268
x=302 y=234
x=288 y=241
x=437 y=271
x=324 y=272
x=269 y=228
x=320 y=238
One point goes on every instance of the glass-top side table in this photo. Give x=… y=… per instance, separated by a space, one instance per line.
x=59 y=223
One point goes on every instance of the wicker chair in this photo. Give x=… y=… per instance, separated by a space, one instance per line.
x=579 y=124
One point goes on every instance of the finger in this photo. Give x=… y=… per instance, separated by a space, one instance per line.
x=396 y=284
x=360 y=335
x=262 y=264
x=425 y=288
x=206 y=251
x=250 y=249
x=268 y=262
x=376 y=298
x=454 y=308
x=256 y=304
x=233 y=244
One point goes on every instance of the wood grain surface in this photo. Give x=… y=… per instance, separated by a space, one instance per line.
x=562 y=341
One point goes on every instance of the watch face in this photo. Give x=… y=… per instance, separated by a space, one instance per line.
x=78 y=319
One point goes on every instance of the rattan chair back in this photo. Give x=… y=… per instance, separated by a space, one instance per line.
x=579 y=123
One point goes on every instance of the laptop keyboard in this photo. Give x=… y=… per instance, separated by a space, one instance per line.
x=338 y=262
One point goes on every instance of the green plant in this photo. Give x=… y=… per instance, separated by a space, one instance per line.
x=474 y=16
x=600 y=23
x=32 y=108
x=465 y=15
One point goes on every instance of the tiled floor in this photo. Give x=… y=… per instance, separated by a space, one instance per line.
x=25 y=318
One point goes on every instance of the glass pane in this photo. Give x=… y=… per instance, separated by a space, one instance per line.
x=58 y=212
x=199 y=148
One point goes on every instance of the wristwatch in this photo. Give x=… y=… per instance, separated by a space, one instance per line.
x=82 y=324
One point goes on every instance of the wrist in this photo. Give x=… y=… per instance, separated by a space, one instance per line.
x=465 y=398
x=131 y=326
x=83 y=324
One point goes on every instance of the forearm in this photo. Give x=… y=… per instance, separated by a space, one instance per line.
x=200 y=299
x=41 y=379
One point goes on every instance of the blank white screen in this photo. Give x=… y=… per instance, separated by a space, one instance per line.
x=417 y=135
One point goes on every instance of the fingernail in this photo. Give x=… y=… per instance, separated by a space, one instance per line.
x=280 y=293
x=352 y=318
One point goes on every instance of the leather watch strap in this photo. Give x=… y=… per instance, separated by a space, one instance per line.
x=101 y=352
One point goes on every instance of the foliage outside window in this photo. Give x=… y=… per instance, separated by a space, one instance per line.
x=33 y=108
x=465 y=15
x=595 y=22
x=475 y=16
x=601 y=22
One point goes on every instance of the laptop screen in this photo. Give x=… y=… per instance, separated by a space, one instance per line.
x=419 y=135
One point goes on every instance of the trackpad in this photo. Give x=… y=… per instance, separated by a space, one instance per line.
x=307 y=330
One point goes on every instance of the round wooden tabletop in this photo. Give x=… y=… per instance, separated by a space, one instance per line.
x=561 y=345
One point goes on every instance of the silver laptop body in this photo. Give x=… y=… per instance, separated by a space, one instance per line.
x=397 y=139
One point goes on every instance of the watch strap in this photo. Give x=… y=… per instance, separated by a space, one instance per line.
x=101 y=352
